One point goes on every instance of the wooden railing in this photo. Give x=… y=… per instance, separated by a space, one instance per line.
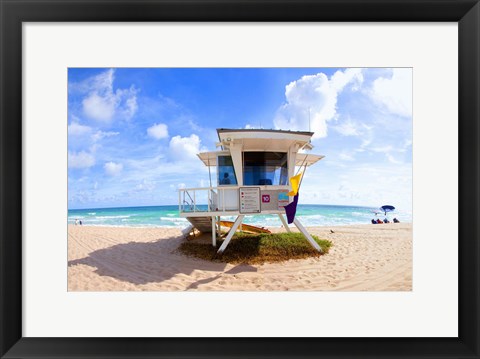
x=216 y=199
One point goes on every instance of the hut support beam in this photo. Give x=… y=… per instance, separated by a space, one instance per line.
x=307 y=235
x=214 y=232
x=230 y=234
x=285 y=224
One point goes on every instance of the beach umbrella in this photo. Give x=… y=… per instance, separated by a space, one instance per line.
x=387 y=208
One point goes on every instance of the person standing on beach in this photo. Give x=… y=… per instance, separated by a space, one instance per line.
x=76 y=221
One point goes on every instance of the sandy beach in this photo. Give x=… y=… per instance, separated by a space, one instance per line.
x=363 y=258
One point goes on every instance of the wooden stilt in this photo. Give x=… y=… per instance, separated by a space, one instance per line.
x=214 y=232
x=302 y=229
x=285 y=224
x=230 y=234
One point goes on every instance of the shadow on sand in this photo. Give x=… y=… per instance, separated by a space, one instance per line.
x=141 y=263
x=241 y=268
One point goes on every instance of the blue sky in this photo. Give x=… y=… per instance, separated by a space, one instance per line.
x=133 y=134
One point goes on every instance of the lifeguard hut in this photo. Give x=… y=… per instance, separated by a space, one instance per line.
x=253 y=168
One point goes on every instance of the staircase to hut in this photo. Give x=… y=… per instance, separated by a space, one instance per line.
x=203 y=224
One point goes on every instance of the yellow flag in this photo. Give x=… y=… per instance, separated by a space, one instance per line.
x=295 y=182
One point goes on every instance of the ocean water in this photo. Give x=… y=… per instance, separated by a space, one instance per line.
x=167 y=216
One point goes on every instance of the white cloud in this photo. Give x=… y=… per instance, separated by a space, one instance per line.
x=131 y=105
x=366 y=142
x=387 y=151
x=75 y=129
x=311 y=101
x=394 y=93
x=99 y=108
x=392 y=159
x=249 y=126
x=145 y=185
x=185 y=148
x=364 y=184
x=80 y=159
x=99 y=135
x=344 y=156
x=347 y=128
x=406 y=145
x=384 y=149
x=158 y=131
x=112 y=168
x=352 y=76
x=178 y=186
x=102 y=103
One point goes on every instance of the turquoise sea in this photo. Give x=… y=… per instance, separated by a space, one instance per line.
x=167 y=216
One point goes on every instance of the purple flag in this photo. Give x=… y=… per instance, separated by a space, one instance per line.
x=291 y=209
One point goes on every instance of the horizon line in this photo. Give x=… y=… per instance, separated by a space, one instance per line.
x=176 y=205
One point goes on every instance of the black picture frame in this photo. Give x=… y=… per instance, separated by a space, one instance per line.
x=13 y=12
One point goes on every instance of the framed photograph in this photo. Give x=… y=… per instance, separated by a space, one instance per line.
x=240 y=179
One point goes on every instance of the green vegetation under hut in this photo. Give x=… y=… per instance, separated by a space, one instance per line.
x=256 y=248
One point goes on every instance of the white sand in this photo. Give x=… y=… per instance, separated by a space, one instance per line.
x=363 y=258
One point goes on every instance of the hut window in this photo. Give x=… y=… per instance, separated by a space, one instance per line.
x=226 y=171
x=265 y=168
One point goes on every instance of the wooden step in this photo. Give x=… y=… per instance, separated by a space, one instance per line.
x=203 y=224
